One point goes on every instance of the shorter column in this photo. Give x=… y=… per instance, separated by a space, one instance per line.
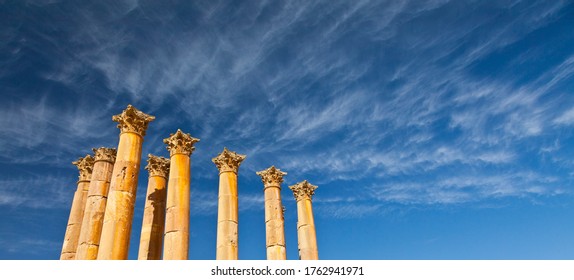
x=151 y=240
x=176 y=238
x=89 y=242
x=306 y=233
x=85 y=166
x=274 y=219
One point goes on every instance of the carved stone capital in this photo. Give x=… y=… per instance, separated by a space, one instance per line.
x=157 y=166
x=271 y=176
x=180 y=143
x=228 y=161
x=85 y=166
x=303 y=190
x=105 y=154
x=133 y=120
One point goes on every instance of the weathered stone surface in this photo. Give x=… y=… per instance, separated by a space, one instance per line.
x=89 y=239
x=307 y=237
x=133 y=120
x=274 y=222
x=180 y=143
x=303 y=190
x=114 y=241
x=227 y=163
x=227 y=240
x=69 y=247
x=271 y=176
x=85 y=166
x=105 y=154
x=157 y=166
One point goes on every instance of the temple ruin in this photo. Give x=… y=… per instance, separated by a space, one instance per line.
x=100 y=222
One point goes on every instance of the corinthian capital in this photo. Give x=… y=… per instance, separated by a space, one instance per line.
x=133 y=120
x=180 y=143
x=105 y=154
x=157 y=166
x=228 y=161
x=303 y=190
x=85 y=166
x=271 y=176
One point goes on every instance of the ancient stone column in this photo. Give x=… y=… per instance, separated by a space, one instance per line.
x=227 y=212
x=89 y=241
x=115 y=239
x=154 y=211
x=274 y=221
x=72 y=235
x=306 y=233
x=176 y=238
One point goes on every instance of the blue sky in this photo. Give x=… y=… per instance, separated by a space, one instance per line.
x=434 y=129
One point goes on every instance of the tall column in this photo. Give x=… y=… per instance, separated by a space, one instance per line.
x=89 y=241
x=176 y=238
x=154 y=211
x=115 y=239
x=227 y=212
x=85 y=166
x=274 y=220
x=306 y=233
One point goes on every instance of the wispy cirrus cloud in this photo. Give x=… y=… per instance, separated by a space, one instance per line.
x=346 y=91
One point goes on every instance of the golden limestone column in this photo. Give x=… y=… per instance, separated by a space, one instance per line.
x=306 y=233
x=227 y=213
x=116 y=231
x=72 y=235
x=274 y=220
x=89 y=241
x=176 y=238
x=154 y=211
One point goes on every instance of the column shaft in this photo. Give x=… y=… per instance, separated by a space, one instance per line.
x=306 y=233
x=75 y=222
x=115 y=238
x=227 y=163
x=227 y=216
x=94 y=214
x=274 y=224
x=151 y=240
x=176 y=239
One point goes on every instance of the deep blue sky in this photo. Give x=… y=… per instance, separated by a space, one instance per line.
x=434 y=130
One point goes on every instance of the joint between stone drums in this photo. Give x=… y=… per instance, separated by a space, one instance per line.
x=132 y=132
x=227 y=171
x=82 y=181
x=265 y=187
x=165 y=177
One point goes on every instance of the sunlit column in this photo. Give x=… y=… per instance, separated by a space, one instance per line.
x=306 y=233
x=176 y=238
x=85 y=166
x=118 y=218
x=151 y=239
x=89 y=241
x=274 y=220
x=227 y=212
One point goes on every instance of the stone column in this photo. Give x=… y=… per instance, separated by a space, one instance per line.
x=96 y=204
x=227 y=212
x=274 y=220
x=154 y=211
x=85 y=166
x=115 y=239
x=176 y=238
x=306 y=233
